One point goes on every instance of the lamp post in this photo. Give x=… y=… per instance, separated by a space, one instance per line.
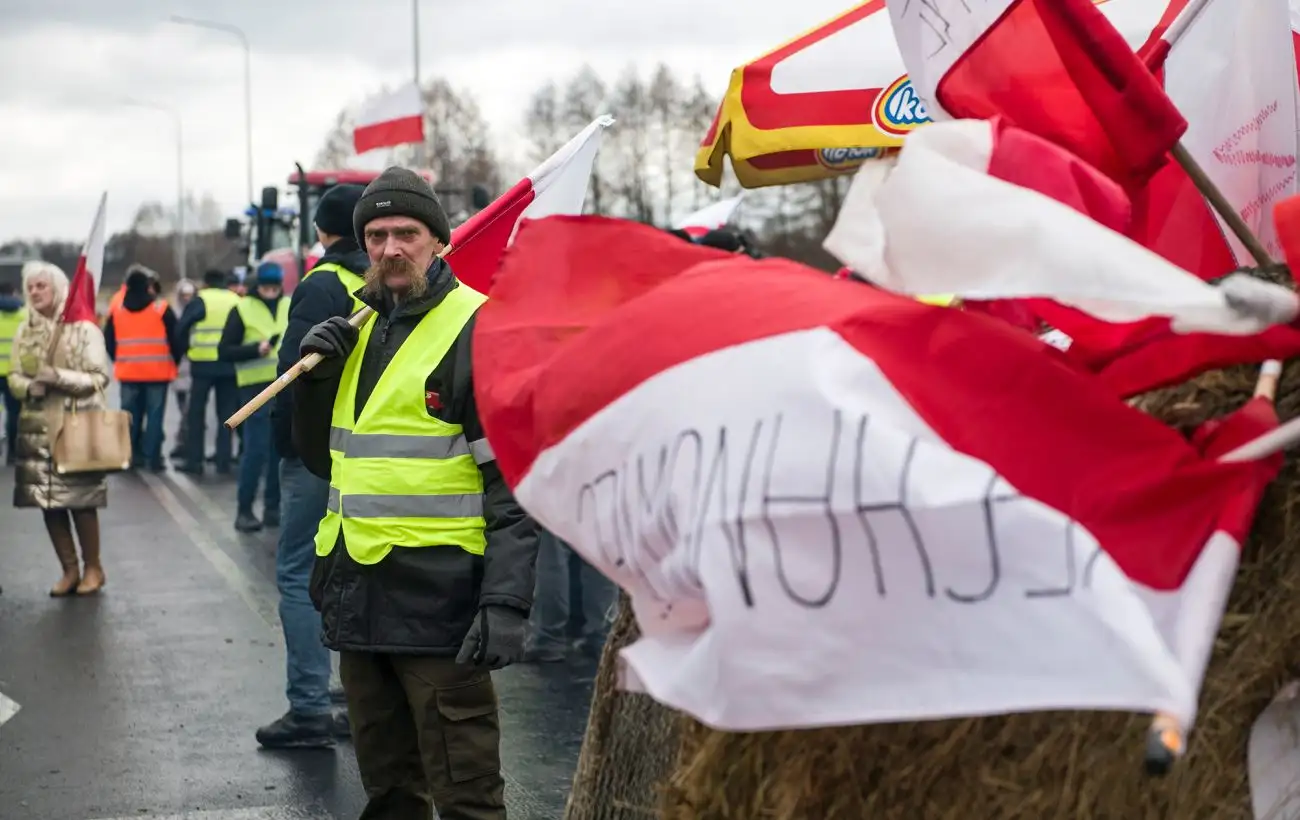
x=415 y=42
x=180 y=178
x=248 y=83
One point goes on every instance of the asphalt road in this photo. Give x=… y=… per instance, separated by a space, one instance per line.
x=142 y=702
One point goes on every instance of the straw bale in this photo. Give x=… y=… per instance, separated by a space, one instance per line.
x=1046 y=765
x=631 y=742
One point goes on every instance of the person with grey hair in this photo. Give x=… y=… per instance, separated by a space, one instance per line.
x=55 y=369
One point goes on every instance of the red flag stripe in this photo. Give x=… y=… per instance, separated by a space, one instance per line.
x=551 y=352
x=389 y=133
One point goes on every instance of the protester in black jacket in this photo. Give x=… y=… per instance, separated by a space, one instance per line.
x=320 y=294
x=419 y=629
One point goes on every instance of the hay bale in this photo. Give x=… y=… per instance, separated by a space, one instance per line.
x=630 y=746
x=1046 y=765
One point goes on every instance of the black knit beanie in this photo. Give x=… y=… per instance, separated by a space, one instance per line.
x=400 y=192
x=335 y=209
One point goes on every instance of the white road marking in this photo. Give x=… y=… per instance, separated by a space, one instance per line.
x=195 y=493
x=241 y=581
x=262 y=813
x=8 y=708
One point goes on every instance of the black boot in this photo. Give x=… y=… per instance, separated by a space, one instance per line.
x=245 y=521
x=342 y=726
x=271 y=517
x=298 y=731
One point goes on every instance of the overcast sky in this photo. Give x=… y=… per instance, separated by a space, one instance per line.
x=66 y=67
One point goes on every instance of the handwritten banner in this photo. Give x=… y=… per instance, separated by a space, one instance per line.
x=804 y=550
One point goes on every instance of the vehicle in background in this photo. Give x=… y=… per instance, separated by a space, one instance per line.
x=12 y=259
x=277 y=233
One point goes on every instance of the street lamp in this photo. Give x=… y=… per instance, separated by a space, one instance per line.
x=180 y=177
x=248 y=83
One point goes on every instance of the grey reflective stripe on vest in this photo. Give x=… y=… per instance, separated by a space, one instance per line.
x=406 y=506
x=482 y=451
x=384 y=445
x=253 y=364
x=139 y=341
x=127 y=357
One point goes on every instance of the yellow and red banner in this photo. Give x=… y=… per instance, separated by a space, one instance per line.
x=797 y=113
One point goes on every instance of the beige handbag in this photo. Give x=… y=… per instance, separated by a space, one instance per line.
x=93 y=441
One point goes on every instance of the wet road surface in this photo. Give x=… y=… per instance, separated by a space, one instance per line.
x=142 y=702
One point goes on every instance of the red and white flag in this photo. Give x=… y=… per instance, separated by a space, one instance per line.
x=557 y=186
x=390 y=118
x=1056 y=68
x=711 y=217
x=84 y=286
x=985 y=211
x=811 y=490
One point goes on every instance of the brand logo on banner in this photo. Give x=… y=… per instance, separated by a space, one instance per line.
x=846 y=159
x=899 y=110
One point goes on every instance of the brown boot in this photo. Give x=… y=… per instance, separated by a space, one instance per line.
x=87 y=523
x=60 y=530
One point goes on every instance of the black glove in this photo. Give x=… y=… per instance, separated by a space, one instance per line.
x=495 y=639
x=332 y=338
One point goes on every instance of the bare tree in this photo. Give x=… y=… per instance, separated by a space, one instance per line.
x=585 y=98
x=664 y=104
x=544 y=121
x=630 y=152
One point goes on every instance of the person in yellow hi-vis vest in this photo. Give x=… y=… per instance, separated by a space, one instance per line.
x=251 y=341
x=425 y=562
x=201 y=323
x=12 y=313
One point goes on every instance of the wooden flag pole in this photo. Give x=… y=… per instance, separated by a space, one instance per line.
x=1167 y=739
x=305 y=364
x=1220 y=204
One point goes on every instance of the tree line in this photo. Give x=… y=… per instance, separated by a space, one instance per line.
x=644 y=170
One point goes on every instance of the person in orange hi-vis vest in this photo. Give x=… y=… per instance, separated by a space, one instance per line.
x=141 y=338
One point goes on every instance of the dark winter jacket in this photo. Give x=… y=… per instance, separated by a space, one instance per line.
x=136 y=300
x=194 y=313
x=231 y=347
x=316 y=298
x=8 y=304
x=422 y=600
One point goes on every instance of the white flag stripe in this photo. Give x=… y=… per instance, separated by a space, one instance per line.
x=1004 y=241
x=398 y=104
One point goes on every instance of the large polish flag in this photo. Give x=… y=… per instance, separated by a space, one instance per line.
x=834 y=505
x=84 y=286
x=388 y=119
x=557 y=186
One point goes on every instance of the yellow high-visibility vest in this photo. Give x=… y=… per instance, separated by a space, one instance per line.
x=206 y=335
x=400 y=478
x=9 y=322
x=350 y=280
x=260 y=325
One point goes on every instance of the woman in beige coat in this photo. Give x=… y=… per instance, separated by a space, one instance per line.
x=75 y=381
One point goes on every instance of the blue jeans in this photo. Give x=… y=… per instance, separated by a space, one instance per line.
x=307 y=661
x=147 y=404
x=258 y=457
x=551 y=599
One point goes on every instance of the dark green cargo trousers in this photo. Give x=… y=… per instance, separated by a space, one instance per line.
x=426 y=733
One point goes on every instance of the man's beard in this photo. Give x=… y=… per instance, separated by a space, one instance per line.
x=377 y=272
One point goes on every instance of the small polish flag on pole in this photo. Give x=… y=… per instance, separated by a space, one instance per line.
x=389 y=119
x=710 y=217
x=82 y=290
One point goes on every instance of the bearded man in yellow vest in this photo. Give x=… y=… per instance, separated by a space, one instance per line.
x=12 y=314
x=251 y=342
x=424 y=571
